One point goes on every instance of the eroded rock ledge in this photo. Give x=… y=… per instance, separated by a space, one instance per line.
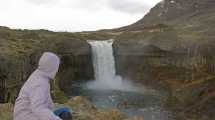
x=20 y=51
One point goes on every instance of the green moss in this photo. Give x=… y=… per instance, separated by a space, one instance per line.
x=172 y=101
x=19 y=51
x=58 y=95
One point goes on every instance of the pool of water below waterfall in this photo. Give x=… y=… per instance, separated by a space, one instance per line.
x=145 y=102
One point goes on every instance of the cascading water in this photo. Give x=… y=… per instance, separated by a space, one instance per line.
x=104 y=66
x=109 y=90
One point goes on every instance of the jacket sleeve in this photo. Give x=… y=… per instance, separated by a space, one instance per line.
x=51 y=103
x=39 y=99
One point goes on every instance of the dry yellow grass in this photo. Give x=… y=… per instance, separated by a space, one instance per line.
x=83 y=110
x=6 y=111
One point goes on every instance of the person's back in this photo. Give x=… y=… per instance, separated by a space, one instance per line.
x=34 y=101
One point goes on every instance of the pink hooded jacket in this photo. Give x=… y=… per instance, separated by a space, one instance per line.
x=34 y=101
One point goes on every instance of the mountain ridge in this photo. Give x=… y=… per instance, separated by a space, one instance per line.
x=171 y=12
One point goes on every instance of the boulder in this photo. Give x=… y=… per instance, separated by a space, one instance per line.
x=85 y=110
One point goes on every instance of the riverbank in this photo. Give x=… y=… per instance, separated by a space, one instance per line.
x=83 y=110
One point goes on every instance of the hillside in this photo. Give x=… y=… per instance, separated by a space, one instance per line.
x=184 y=31
x=186 y=13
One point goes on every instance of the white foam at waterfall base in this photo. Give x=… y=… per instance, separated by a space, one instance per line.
x=113 y=84
x=104 y=69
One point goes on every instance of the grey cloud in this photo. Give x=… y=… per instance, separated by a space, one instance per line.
x=81 y=4
x=90 y=4
x=128 y=6
x=41 y=2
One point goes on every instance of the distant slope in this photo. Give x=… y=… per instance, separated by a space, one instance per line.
x=175 y=25
x=174 y=12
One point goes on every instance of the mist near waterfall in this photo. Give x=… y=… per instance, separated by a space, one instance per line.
x=105 y=72
x=110 y=90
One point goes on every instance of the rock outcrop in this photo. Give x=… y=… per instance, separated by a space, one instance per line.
x=171 y=48
x=20 y=51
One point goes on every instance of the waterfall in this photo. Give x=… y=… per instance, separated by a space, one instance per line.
x=104 y=69
x=103 y=60
x=104 y=66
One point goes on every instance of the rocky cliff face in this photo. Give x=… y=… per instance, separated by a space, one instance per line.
x=171 y=47
x=20 y=51
x=76 y=63
x=180 y=31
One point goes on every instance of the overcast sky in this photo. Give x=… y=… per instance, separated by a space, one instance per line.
x=72 y=15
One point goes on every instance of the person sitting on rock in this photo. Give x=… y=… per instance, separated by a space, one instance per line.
x=34 y=101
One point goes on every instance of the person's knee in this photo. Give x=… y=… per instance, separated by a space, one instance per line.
x=64 y=113
x=66 y=116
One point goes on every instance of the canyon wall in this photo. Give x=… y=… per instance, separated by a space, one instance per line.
x=20 y=51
